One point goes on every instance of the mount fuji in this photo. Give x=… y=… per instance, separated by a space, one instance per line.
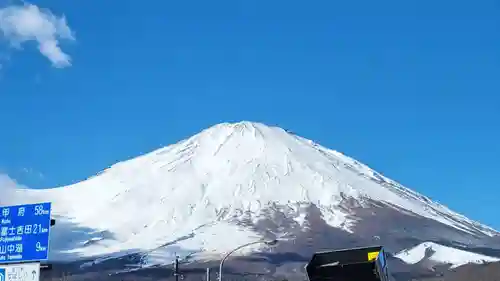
x=235 y=183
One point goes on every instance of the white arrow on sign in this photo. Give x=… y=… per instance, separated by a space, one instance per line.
x=22 y=272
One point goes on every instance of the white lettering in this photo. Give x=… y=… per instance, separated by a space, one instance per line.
x=20 y=230
x=15 y=257
x=11 y=239
x=4 y=231
x=5 y=212
x=21 y=211
x=27 y=229
x=19 y=248
x=39 y=211
x=40 y=248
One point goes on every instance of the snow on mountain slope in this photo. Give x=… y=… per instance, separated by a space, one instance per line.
x=181 y=196
x=442 y=254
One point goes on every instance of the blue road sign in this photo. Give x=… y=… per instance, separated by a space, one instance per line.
x=2 y=274
x=24 y=233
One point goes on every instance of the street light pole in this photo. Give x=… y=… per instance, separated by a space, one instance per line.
x=267 y=242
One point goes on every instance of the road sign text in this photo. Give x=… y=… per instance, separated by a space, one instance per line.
x=24 y=233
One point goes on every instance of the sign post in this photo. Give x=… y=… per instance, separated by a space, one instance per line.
x=24 y=241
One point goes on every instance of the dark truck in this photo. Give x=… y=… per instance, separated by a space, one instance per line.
x=358 y=264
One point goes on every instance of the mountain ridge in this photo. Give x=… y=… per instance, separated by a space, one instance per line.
x=247 y=181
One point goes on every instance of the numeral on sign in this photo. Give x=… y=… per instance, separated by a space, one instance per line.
x=39 y=210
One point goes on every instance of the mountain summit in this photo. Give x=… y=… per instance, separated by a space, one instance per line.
x=237 y=182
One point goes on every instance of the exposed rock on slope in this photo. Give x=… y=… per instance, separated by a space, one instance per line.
x=235 y=183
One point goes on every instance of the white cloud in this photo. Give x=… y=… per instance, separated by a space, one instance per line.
x=8 y=187
x=31 y=172
x=7 y=182
x=22 y=23
x=14 y=193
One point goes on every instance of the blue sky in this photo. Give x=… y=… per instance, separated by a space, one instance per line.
x=410 y=88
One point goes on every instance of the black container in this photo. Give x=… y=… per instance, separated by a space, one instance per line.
x=365 y=264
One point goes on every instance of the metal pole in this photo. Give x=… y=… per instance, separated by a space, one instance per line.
x=208 y=274
x=176 y=269
x=272 y=242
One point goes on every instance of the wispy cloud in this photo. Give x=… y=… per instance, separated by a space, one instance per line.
x=7 y=182
x=27 y=22
x=14 y=193
x=32 y=172
x=8 y=187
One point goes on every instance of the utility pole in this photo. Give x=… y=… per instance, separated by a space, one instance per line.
x=176 y=268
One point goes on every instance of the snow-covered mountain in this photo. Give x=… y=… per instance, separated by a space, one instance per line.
x=235 y=183
x=439 y=254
